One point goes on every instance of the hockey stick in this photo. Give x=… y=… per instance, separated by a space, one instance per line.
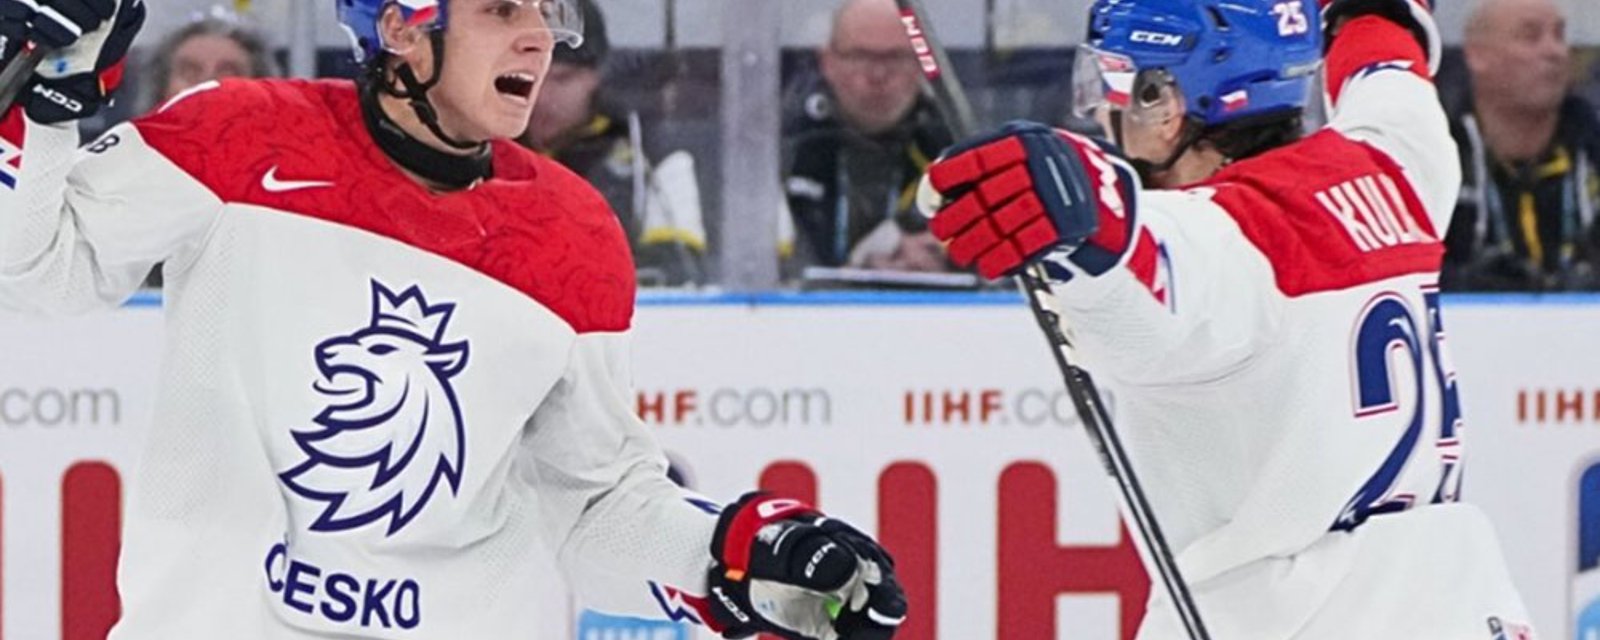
x=17 y=73
x=953 y=105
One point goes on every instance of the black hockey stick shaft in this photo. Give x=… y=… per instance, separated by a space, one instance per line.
x=951 y=101
x=17 y=73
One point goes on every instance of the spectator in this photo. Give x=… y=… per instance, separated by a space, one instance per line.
x=211 y=46
x=1529 y=148
x=856 y=145
x=573 y=123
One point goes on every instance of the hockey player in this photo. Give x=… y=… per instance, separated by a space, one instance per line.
x=396 y=362
x=1268 y=314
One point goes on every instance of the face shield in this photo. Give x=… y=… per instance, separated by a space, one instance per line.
x=564 y=19
x=1108 y=87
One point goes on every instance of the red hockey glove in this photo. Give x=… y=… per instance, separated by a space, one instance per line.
x=1010 y=198
x=88 y=41
x=783 y=568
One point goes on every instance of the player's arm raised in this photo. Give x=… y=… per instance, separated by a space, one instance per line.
x=1139 y=271
x=631 y=542
x=81 y=229
x=1382 y=55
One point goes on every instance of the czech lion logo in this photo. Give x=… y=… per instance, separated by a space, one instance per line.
x=391 y=432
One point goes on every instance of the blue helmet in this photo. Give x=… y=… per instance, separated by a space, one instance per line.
x=360 y=20
x=1230 y=59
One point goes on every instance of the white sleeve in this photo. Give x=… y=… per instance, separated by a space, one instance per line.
x=619 y=525
x=82 y=228
x=1192 y=300
x=1380 y=93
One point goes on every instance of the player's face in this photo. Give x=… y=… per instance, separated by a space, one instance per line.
x=496 y=54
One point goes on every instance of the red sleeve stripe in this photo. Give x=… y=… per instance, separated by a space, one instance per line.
x=12 y=131
x=1143 y=262
x=1370 y=43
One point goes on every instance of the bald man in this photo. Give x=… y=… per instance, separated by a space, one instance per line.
x=869 y=65
x=856 y=145
x=1529 y=149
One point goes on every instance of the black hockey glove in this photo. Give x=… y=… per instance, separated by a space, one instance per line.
x=87 y=41
x=783 y=568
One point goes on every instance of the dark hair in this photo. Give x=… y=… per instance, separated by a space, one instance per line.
x=1255 y=135
x=216 y=23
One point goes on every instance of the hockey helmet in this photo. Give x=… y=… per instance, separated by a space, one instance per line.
x=1225 y=60
x=360 y=20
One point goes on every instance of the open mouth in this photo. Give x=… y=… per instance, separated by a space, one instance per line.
x=516 y=85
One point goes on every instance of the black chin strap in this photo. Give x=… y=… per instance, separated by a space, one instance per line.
x=452 y=171
x=449 y=170
x=416 y=92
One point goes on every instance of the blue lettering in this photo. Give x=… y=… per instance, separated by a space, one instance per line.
x=408 y=593
x=337 y=596
x=275 y=558
x=341 y=596
x=372 y=602
x=294 y=585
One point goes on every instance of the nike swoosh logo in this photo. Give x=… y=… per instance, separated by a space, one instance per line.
x=271 y=183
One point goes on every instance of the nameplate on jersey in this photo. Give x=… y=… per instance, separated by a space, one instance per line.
x=1372 y=213
x=1330 y=213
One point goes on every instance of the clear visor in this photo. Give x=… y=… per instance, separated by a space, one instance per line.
x=564 y=19
x=1103 y=81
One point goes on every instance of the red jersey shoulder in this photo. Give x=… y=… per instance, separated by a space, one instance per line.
x=229 y=135
x=556 y=238
x=1329 y=213
x=302 y=148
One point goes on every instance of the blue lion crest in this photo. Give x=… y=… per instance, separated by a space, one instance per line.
x=392 y=430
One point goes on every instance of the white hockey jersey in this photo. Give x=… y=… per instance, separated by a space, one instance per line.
x=1283 y=385
x=378 y=403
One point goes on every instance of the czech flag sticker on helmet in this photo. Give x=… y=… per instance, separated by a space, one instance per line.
x=1101 y=78
x=420 y=11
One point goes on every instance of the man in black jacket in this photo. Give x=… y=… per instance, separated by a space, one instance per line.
x=1529 y=149
x=855 y=145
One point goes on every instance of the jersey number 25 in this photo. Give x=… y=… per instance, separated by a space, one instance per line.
x=1387 y=330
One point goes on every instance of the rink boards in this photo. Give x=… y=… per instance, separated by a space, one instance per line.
x=935 y=421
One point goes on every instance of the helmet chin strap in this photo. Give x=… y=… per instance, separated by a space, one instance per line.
x=452 y=171
x=416 y=93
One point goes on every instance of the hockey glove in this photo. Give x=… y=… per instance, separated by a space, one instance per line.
x=783 y=568
x=1011 y=198
x=88 y=41
x=1415 y=15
